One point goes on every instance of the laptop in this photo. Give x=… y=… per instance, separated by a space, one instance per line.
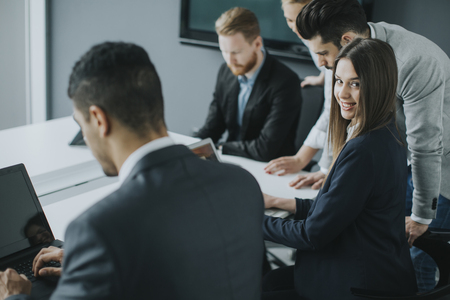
x=205 y=149
x=78 y=140
x=24 y=229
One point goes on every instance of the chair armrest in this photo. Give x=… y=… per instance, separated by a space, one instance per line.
x=435 y=242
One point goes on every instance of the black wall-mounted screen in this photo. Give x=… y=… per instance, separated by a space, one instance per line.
x=198 y=18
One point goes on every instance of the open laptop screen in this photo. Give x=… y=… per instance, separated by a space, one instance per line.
x=22 y=222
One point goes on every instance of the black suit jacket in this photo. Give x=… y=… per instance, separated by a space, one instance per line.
x=270 y=117
x=353 y=234
x=178 y=228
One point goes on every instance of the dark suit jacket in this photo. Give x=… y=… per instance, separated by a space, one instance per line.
x=353 y=234
x=178 y=228
x=270 y=117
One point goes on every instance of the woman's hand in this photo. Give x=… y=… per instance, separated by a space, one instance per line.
x=313 y=80
x=286 y=164
x=281 y=203
x=313 y=179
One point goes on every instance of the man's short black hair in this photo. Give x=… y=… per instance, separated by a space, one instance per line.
x=330 y=19
x=120 y=79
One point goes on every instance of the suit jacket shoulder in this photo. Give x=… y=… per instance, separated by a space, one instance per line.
x=177 y=226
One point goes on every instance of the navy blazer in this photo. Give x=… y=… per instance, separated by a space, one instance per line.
x=353 y=234
x=178 y=228
x=270 y=118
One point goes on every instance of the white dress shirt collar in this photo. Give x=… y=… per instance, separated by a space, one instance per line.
x=373 y=34
x=351 y=130
x=142 y=151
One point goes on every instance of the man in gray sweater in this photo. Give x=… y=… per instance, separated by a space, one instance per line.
x=423 y=107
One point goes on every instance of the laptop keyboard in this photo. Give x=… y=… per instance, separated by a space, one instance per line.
x=26 y=268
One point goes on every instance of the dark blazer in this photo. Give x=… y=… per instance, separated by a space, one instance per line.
x=353 y=234
x=178 y=228
x=270 y=117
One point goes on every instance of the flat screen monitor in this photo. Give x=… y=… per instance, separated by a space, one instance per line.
x=198 y=18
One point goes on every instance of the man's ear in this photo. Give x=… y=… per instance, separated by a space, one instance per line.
x=258 y=42
x=347 y=38
x=99 y=119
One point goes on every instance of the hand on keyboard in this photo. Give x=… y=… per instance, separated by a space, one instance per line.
x=48 y=262
x=26 y=268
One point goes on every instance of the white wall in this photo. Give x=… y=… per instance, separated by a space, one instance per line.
x=12 y=64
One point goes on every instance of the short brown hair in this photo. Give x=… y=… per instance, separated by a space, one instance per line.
x=238 y=19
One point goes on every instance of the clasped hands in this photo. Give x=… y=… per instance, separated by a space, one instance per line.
x=11 y=283
x=292 y=164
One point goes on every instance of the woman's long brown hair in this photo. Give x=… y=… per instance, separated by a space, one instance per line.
x=375 y=64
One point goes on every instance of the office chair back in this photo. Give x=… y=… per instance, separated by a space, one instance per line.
x=312 y=106
x=436 y=244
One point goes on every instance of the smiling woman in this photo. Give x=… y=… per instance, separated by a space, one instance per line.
x=364 y=90
x=346 y=89
x=353 y=234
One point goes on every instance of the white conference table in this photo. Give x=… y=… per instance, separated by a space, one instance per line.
x=68 y=179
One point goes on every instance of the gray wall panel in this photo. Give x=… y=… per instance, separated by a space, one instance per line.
x=188 y=73
x=12 y=64
x=428 y=18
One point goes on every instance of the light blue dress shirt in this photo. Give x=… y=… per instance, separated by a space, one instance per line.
x=246 y=86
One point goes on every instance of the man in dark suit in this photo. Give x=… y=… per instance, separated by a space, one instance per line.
x=177 y=228
x=257 y=99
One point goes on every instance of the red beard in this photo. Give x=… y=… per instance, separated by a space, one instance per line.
x=242 y=69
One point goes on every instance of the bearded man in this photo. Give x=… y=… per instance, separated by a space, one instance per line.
x=257 y=99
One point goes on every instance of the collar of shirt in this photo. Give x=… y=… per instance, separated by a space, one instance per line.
x=250 y=81
x=372 y=31
x=142 y=151
x=351 y=130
